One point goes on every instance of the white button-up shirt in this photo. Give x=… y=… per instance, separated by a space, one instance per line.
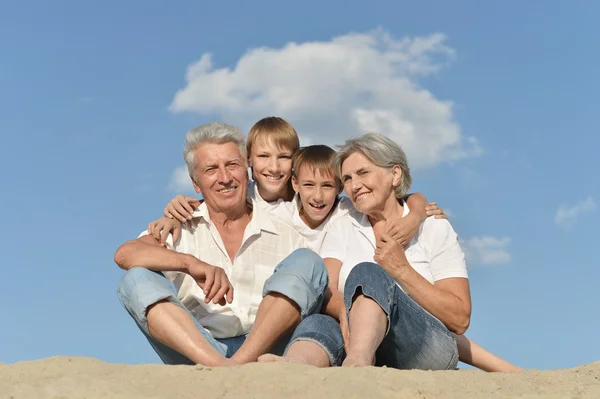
x=434 y=252
x=266 y=242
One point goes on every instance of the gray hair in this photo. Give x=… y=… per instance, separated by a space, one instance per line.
x=214 y=132
x=380 y=150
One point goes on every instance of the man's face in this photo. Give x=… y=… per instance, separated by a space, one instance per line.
x=221 y=176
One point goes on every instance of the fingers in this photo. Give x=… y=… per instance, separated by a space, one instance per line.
x=176 y=235
x=180 y=208
x=216 y=286
x=164 y=234
x=224 y=288
x=208 y=283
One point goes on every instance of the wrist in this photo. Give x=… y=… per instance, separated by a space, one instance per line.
x=186 y=261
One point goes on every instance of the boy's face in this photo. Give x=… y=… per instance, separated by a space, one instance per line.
x=318 y=193
x=272 y=168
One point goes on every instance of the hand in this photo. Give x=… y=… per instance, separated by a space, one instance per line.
x=403 y=229
x=433 y=210
x=181 y=208
x=389 y=254
x=160 y=229
x=343 y=318
x=212 y=280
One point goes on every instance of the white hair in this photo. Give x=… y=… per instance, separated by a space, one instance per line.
x=214 y=132
x=380 y=150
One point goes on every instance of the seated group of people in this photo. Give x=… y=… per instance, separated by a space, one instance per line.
x=284 y=268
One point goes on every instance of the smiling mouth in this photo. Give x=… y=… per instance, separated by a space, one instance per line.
x=360 y=196
x=273 y=178
x=317 y=208
x=227 y=190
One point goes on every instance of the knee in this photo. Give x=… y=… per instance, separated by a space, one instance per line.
x=366 y=271
x=136 y=283
x=309 y=265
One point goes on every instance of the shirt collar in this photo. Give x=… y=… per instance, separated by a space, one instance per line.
x=261 y=220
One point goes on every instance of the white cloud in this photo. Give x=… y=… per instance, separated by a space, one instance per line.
x=330 y=90
x=566 y=217
x=486 y=250
x=180 y=181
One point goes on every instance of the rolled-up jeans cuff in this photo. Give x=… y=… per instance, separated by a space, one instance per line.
x=325 y=332
x=295 y=287
x=333 y=359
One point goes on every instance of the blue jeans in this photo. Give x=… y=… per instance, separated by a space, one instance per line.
x=415 y=339
x=301 y=277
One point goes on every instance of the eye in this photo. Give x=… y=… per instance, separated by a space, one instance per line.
x=263 y=156
x=308 y=185
x=285 y=156
x=233 y=166
x=363 y=172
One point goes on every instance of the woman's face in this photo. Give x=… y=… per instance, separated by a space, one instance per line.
x=369 y=186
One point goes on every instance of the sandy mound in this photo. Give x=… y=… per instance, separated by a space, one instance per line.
x=62 y=377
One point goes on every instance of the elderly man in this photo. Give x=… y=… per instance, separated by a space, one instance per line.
x=243 y=278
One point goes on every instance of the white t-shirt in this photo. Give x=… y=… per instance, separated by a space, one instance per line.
x=289 y=213
x=434 y=252
x=266 y=242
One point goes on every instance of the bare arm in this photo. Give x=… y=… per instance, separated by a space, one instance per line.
x=147 y=252
x=449 y=299
x=417 y=203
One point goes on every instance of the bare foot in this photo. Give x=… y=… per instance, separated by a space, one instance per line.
x=269 y=358
x=357 y=361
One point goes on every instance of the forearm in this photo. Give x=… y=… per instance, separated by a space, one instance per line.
x=444 y=305
x=154 y=257
x=417 y=203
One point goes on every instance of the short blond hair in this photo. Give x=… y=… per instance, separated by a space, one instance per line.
x=275 y=129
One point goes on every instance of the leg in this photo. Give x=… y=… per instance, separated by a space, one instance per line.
x=368 y=324
x=413 y=338
x=293 y=292
x=471 y=353
x=169 y=327
x=317 y=341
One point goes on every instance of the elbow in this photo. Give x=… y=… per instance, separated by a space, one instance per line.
x=461 y=324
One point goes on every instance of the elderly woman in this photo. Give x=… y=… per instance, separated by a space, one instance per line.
x=403 y=305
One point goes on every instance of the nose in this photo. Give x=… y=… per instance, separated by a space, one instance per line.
x=355 y=185
x=223 y=175
x=274 y=165
x=318 y=195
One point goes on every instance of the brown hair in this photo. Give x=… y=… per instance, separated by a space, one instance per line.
x=317 y=157
x=274 y=128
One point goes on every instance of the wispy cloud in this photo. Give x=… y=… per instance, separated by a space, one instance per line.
x=180 y=182
x=486 y=250
x=566 y=216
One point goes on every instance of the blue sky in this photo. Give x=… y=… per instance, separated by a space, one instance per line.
x=499 y=102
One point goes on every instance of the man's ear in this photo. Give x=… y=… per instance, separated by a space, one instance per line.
x=295 y=184
x=196 y=187
x=396 y=175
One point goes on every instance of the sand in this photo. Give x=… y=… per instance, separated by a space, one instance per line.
x=66 y=377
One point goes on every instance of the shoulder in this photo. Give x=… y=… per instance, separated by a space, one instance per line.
x=435 y=234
